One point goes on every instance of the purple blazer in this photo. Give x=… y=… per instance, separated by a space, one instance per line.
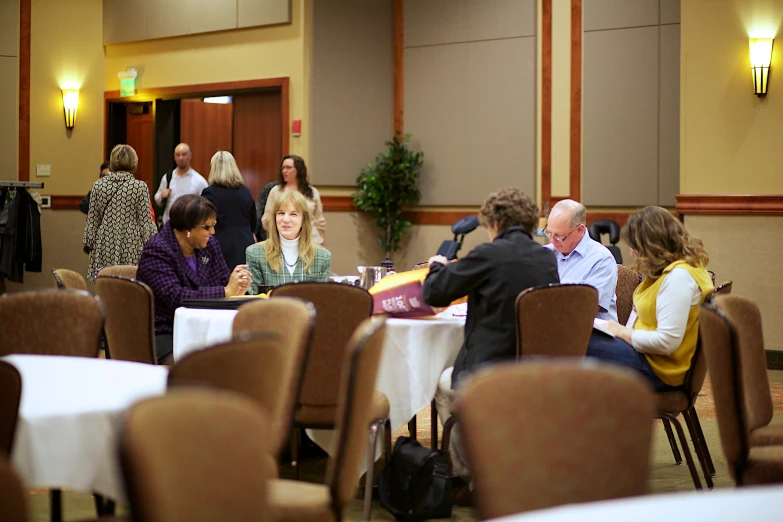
x=163 y=267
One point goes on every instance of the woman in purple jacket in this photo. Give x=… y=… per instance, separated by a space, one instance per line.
x=183 y=261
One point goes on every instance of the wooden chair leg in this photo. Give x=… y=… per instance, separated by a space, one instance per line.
x=696 y=423
x=672 y=442
x=698 y=445
x=433 y=425
x=295 y=443
x=369 y=476
x=55 y=505
x=684 y=443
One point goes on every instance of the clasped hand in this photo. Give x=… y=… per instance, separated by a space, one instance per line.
x=239 y=281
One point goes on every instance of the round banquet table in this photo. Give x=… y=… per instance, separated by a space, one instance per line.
x=415 y=353
x=759 y=504
x=70 y=418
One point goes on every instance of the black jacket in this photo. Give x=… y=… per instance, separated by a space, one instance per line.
x=261 y=234
x=492 y=276
x=21 y=245
x=236 y=220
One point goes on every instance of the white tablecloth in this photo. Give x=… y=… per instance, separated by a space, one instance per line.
x=759 y=504
x=415 y=353
x=70 y=416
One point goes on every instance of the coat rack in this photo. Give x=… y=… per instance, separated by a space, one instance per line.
x=22 y=184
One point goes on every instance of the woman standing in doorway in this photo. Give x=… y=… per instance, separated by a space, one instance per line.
x=293 y=178
x=236 y=210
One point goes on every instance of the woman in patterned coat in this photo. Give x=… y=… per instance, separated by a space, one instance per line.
x=119 y=221
x=290 y=254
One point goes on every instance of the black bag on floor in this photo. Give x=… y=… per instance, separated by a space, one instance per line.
x=416 y=485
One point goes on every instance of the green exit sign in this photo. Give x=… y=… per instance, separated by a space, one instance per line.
x=127 y=86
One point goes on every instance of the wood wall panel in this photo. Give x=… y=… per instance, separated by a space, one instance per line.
x=25 y=7
x=207 y=128
x=730 y=204
x=140 y=135
x=258 y=144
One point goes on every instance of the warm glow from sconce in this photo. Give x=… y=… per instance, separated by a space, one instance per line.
x=70 y=105
x=760 y=59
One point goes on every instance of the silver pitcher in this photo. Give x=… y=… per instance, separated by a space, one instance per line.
x=369 y=275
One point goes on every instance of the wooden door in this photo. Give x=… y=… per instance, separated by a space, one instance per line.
x=257 y=132
x=206 y=127
x=140 y=136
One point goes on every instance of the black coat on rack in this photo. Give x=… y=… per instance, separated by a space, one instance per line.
x=20 y=248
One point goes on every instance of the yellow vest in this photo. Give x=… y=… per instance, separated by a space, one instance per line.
x=671 y=369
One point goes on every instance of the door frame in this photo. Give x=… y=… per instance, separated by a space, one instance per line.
x=205 y=89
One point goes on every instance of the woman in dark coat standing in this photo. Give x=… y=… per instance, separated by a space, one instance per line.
x=236 y=210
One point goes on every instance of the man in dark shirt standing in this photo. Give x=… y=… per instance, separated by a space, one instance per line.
x=84 y=206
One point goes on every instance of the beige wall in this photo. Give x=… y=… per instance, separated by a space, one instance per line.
x=9 y=85
x=352 y=87
x=61 y=58
x=245 y=54
x=135 y=20
x=62 y=248
x=730 y=138
x=470 y=102
x=630 y=102
x=740 y=251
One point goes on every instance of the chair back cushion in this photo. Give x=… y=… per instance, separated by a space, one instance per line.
x=119 y=270
x=354 y=408
x=555 y=319
x=627 y=281
x=51 y=322
x=196 y=455
x=340 y=310
x=130 y=318
x=582 y=435
x=12 y=496
x=262 y=366
x=64 y=278
x=717 y=338
x=745 y=317
x=604 y=226
x=10 y=395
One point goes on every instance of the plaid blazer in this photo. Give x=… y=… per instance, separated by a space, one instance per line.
x=166 y=271
x=264 y=275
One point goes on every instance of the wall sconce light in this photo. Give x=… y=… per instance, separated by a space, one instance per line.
x=70 y=104
x=760 y=58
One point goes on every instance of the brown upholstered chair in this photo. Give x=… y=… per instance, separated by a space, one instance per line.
x=262 y=366
x=119 y=270
x=51 y=322
x=292 y=501
x=10 y=395
x=12 y=502
x=542 y=312
x=627 y=281
x=554 y=450
x=130 y=318
x=723 y=288
x=64 y=278
x=196 y=455
x=732 y=336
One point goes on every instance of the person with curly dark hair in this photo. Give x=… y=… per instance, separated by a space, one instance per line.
x=659 y=339
x=492 y=275
x=293 y=177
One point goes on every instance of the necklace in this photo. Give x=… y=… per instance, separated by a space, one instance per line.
x=291 y=265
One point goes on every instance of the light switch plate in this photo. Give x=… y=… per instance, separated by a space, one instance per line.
x=46 y=201
x=43 y=171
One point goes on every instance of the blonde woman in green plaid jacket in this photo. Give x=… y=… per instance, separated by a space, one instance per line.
x=289 y=255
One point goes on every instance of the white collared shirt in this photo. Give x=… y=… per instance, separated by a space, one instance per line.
x=189 y=183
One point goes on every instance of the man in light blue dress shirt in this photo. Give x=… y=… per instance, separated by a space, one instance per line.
x=579 y=258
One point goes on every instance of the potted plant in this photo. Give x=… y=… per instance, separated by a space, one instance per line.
x=386 y=188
